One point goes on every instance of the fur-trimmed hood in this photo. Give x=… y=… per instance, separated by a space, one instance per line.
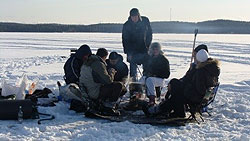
x=211 y=66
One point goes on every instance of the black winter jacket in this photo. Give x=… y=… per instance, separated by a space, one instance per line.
x=120 y=67
x=72 y=67
x=136 y=37
x=156 y=67
x=205 y=76
x=189 y=74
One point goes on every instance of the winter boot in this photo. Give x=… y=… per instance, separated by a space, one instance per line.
x=151 y=100
x=108 y=109
x=152 y=110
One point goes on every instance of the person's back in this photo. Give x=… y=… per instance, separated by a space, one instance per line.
x=205 y=76
x=70 y=76
x=73 y=65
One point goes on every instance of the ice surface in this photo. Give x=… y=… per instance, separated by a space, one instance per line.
x=42 y=55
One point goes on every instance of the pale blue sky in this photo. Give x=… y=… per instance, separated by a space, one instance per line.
x=116 y=11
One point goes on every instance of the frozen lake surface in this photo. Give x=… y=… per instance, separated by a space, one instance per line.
x=40 y=55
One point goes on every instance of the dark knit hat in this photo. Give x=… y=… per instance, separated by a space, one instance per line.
x=134 y=12
x=199 y=47
x=113 y=56
x=102 y=52
x=83 y=51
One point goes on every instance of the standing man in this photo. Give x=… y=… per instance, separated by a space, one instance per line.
x=136 y=39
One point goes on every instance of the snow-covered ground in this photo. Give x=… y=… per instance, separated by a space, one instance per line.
x=41 y=55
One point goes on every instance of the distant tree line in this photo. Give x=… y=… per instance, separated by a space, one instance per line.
x=206 y=27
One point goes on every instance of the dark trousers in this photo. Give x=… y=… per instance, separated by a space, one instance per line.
x=133 y=70
x=174 y=99
x=137 y=59
x=111 y=92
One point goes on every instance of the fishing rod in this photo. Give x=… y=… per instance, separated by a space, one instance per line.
x=195 y=35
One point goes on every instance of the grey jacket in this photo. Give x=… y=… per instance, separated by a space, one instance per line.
x=93 y=75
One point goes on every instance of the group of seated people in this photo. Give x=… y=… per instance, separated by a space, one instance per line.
x=99 y=79
x=103 y=80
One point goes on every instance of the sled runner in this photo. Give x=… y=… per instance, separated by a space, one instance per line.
x=141 y=119
x=195 y=111
x=137 y=117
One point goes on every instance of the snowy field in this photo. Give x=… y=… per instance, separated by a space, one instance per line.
x=40 y=55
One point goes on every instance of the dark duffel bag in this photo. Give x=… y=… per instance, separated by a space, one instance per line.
x=9 y=109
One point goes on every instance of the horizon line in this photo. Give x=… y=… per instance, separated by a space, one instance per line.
x=16 y=22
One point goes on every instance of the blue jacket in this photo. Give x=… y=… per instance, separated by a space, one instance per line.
x=72 y=67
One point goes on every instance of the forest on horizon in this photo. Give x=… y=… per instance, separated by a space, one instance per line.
x=205 y=27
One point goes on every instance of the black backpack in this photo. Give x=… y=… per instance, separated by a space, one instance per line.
x=9 y=109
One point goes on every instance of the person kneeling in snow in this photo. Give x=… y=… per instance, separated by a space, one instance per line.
x=205 y=76
x=97 y=84
x=73 y=65
x=156 y=69
x=115 y=61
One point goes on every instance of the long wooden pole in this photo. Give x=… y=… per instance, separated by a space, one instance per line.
x=195 y=34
